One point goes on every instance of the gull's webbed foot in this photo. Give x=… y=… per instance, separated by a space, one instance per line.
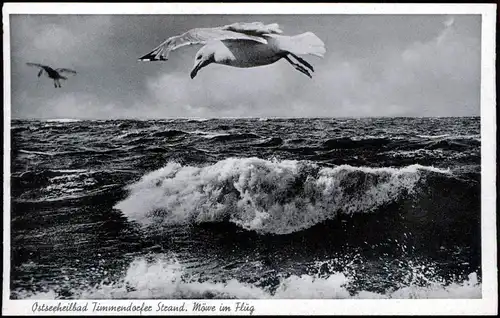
x=301 y=60
x=298 y=67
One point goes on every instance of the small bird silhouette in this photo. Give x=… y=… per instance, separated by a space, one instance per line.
x=52 y=73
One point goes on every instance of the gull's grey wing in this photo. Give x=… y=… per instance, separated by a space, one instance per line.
x=254 y=28
x=65 y=70
x=196 y=36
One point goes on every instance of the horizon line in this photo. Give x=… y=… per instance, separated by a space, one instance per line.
x=238 y=117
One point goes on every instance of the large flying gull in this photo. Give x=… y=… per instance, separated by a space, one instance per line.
x=243 y=45
x=52 y=73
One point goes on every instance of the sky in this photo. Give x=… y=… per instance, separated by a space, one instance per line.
x=375 y=65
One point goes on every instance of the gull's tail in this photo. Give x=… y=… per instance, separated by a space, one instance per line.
x=305 y=43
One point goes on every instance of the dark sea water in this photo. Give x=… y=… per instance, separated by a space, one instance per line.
x=246 y=208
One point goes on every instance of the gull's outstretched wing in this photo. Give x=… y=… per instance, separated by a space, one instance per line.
x=65 y=70
x=253 y=28
x=237 y=31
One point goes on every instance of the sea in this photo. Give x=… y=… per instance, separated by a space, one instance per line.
x=249 y=208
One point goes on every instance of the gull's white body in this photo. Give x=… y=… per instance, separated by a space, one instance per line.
x=243 y=45
x=243 y=53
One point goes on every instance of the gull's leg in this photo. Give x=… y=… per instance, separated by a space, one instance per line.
x=298 y=67
x=302 y=69
x=301 y=60
x=55 y=84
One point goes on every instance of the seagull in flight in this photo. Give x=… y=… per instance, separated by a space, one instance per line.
x=243 y=45
x=55 y=74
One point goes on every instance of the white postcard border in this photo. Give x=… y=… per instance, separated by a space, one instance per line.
x=486 y=305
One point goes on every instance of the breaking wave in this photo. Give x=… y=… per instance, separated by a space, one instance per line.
x=167 y=278
x=277 y=197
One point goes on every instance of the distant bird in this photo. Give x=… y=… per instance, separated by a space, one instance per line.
x=52 y=73
x=243 y=45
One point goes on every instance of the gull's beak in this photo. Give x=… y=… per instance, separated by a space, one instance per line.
x=201 y=64
x=196 y=68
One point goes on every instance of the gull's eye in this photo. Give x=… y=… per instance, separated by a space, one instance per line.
x=198 y=57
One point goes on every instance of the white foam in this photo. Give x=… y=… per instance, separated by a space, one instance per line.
x=452 y=137
x=200 y=119
x=63 y=120
x=269 y=196
x=32 y=152
x=165 y=278
x=208 y=134
x=433 y=136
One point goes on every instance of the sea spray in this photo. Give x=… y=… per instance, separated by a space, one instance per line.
x=268 y=196
x=166 y=278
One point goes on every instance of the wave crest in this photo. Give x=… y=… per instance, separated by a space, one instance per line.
x=167 y=278
x=278 y=197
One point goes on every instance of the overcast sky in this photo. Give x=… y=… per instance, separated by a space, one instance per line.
x=375 y=65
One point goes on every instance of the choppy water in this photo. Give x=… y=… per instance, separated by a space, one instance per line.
x=246 y=208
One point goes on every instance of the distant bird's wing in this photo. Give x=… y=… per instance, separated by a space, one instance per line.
x=237 y=31
x=65 y=70
x=45 y=67
x=36 y=65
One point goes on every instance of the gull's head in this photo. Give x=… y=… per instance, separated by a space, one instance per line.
x=204 y=57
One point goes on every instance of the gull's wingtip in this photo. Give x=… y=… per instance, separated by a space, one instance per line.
x=151 y=60
x=150 y=57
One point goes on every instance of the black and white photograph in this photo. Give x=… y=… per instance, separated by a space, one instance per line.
x=249 y=156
